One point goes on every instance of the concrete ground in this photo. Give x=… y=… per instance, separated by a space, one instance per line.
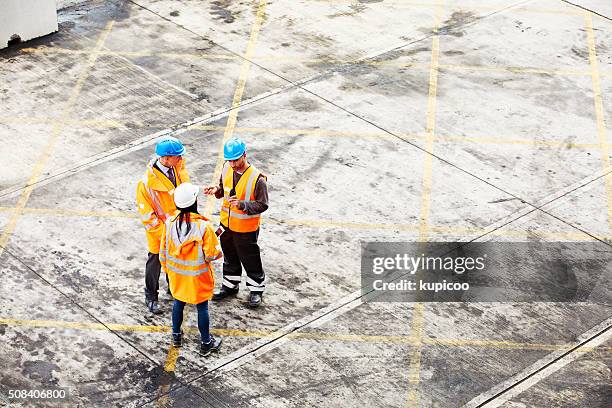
x=375 y=121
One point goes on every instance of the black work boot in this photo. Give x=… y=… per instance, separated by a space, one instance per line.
x=212 y=345
x=255 y=299
x=224 y=292
x=153 y=306
x=177 y=339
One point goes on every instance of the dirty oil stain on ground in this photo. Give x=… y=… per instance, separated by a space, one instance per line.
x=221 y=12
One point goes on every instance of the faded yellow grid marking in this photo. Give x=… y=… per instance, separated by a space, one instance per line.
x=173 y=353
x=237 y=99
x=599 y=113
x=324 y=60
x=323 y=336
x=56 y=132
x=416 y=329
x=572 y=235
x=112 y=124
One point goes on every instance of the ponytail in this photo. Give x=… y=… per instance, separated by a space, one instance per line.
x=185 y=217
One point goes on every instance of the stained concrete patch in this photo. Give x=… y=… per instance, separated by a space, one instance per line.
x=527 y=226
x=322 y=373
x=582 y=383
x=310 y=45
x=514 y=168
x=467 y=372
x=35 y=138
x=89 y=18
x=586 y=208
x=534 y=99
x=514 y=105
x=57 y=354
x=83 y=189
x=186 y=60
x=495 y=43
x=29 y=91
x=368 y=90
x=369 y=322
x=528 y=323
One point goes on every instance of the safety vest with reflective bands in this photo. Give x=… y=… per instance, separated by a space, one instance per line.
x=154 y=197
x=186 y=258
x=231 y=217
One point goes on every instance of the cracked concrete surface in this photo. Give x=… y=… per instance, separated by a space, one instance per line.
x=377 y=120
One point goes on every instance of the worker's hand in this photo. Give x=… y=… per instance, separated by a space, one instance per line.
x=233 y=201
x=210 y=190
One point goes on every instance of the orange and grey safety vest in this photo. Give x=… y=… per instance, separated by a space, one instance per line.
x=231 y=217
x=154 y=197
x=186 y=258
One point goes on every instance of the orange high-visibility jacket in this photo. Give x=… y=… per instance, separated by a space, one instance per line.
x=154 y=197
x=186 y=258
x=233 y=218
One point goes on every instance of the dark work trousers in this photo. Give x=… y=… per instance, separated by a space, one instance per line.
x=152 y=272
x=241 y=249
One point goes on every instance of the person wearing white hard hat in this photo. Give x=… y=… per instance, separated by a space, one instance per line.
x=154 y=193
x=245 y=196
x=188 y=247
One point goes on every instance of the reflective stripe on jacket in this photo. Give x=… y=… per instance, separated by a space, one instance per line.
x=154 y=197
x=233 y=218
x=186 y=258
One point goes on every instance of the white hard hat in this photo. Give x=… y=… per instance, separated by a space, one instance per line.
x=185 y=195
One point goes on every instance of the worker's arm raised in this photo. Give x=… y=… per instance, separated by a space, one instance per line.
x=217 y=191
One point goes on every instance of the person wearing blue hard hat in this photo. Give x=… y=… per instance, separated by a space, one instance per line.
x=244 y=191
x=154 y=196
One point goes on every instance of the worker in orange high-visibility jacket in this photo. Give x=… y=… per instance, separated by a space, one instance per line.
x=244 y=191
x=188 y=247
x=154 y=196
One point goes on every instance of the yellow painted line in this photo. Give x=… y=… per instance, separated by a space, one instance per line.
x=103 y=124
x=516 y=70
x=330 y=224
x=599 y=112
x=137 y=54
x=73 y=213
x=526 y=142
x=330 y=60
x=56 y=132
x=313 y=132
x=356 y=338
x=574 y=235
x=501 y=345
x=430 y=131
x=416 y=329
x=237 y=99
x=464 y=7
x=173 y=353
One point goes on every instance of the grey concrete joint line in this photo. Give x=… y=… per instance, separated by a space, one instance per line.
x=586 y=9
x=274 y=339
x=221 y=113
x=336 y=69
x=93 y=317
x=557 y=357
x=144 y=141
x=361 y=296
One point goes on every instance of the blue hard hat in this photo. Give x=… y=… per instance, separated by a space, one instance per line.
x=233 y=149
x=169 y=146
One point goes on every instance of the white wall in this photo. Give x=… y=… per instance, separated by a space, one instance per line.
x=26 y=18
